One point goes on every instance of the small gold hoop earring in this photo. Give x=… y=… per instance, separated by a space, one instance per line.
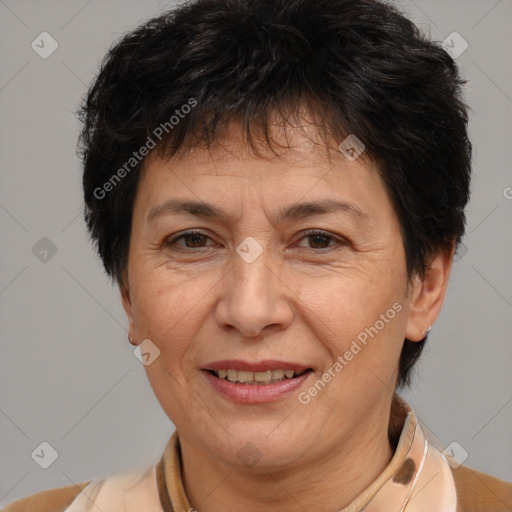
x=134 y=343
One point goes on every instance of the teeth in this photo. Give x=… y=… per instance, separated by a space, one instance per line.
x=263 y=376
x=245 y=377
x=277 y=374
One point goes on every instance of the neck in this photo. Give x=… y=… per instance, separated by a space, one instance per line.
x=327 y=482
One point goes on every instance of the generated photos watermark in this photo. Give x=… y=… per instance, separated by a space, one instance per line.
x=355 y=348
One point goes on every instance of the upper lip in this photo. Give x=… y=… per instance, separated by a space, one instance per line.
x=252 y=366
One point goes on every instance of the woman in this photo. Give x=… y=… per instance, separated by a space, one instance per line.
x=278 y=188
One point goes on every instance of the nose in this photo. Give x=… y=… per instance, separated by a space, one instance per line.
x=254 y=299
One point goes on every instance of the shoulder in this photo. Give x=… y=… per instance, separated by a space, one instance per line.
x=53 y=500
x=116 y=492
x=480 y=492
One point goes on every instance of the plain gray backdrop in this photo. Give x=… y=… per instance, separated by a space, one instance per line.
x=68 y=376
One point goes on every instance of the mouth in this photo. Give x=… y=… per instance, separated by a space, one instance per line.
x=256 y=382
x=260 y=378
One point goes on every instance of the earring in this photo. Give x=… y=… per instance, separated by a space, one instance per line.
x=134 y=343
x=428 y=329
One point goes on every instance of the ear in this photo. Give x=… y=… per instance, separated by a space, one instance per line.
x=124 y=289
x=428 y=294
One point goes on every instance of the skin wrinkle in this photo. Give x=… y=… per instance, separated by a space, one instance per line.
x=286 y=305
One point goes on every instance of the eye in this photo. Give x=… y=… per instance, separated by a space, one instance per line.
x=322 y=239
x=192 y=239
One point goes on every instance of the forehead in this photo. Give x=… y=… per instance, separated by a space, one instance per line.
x=230 y=185
x=295 y=153
x=239 y=181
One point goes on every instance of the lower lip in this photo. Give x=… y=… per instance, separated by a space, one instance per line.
x=255 y=393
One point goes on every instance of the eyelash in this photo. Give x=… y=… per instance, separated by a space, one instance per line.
x=308 y=233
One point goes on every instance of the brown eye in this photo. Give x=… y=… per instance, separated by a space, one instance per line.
x=192 y=239
x=320 y=240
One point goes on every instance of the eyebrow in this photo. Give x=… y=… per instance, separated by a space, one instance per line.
x=295 y=211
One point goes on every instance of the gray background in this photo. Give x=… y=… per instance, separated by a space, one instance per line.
x=67 y=373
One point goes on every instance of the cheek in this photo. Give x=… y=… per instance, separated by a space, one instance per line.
x=362 y=322
x=341 y=307
x=160 y=294
x=169 y=308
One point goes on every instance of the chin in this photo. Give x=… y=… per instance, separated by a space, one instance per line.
x=260 y=447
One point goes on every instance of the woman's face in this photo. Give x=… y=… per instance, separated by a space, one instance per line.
x=265 y=286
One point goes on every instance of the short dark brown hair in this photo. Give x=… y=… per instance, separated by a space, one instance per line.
x=359 y=66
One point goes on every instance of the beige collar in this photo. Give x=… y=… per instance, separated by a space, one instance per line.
x=417 y=479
